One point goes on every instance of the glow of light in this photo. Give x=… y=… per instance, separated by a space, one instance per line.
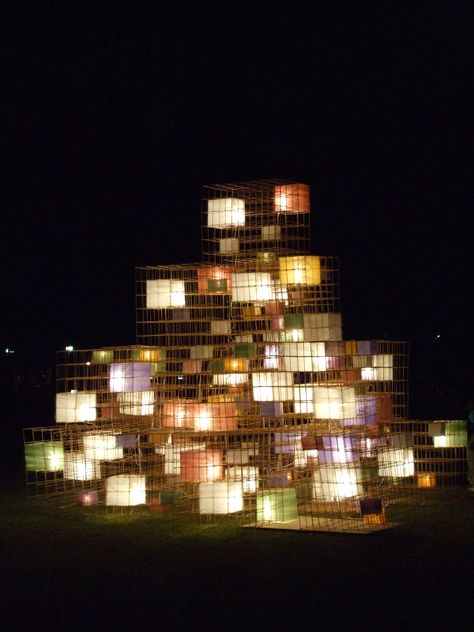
x=69 y=348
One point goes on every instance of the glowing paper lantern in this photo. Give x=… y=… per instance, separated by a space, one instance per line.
x=338 y=449
x=426 y=480
x=172 y=454
x=225 y=212
x=78 y=468
x=229 y=246
x=214 y=280
x=44 y=456
x=252 y=286
x=162 y=293
x=125 y=490
x=381 y=370
x=322 y=327
x=268 y=387
x=101 y=447
x=396 y=463
x=178 y=413
x=221 y=497
x=102 y=356
x=246 y=475
x=215 y=417
x=304 y=356
x=303 y=398
x=201 y=466
x=87 y=498
x=230 y=379
x=300 y=270
x=292 y=198
x=272 y=357
x=220 y=327
x=277 y=505
x=333 y=402
x=271 y=233
x=130 y=377
x=336 y=482
x=74 y=407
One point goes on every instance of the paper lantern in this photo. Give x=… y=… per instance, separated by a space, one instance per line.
x=172 y=454
x=245 y=349
x=272 y=386
x=318 y=327
x=229 y=246
x=78 y=468
x=149 y=355
x=252 y=286
x=214 y=280
x=201 y=466
x=292 y=198
x=426 y=480
x=201 y=352
x=125 y=490
x=396 y=462
x=192 y=367
x=337 y=482
x=338 y=449
x=87 y=498
x=74 y=407
x=292 y=335
x=230 y=379
x=303 y=398
x=215 y=417
x=178 y=413
x=137 y=404
x=220 y=327
x=333 y=402
x=304 y=356
x=162 y=293
x=371 y=409
x=272 y=357
x=44 y=456
x=271 y=233
x=277 y=505
x=130 y=377
x=247 y=475
x=220 y=498
x=101 y=447
x=300 y=270
x=225 y=213
x=236 y=365
x=102 y=356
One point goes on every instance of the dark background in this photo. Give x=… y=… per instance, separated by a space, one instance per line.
x=114 y=116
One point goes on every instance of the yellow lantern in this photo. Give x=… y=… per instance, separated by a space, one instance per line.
x=300 y=270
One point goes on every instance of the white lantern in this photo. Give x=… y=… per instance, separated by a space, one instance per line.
x=303 y=398
x=101 y=447
x=221 y=497
x=229 y=246
x=322 y=327
x=383 y=367
x=140 y=403
x=162 y=293
x=336 y=482
x=74 y=407
x=247 y=475
x=230 y=379
x=271 y=233
x=225 y=212
x=130 y=377
x=272 y=386
x=304 y=356
x=396 y=462
x=252 y=286
x=272 y=357
x=78 y=468
x=125 y=490
x=334 y=402
x=220 y=327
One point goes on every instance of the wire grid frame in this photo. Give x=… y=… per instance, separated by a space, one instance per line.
x=241 y=401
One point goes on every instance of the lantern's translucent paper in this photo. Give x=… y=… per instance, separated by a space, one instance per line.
x=222 y=497
x=125 y=490
x=74 y=407
x=225 y=213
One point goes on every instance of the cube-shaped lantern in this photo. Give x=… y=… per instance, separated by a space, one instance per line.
x=101 y=447
x=44 y=456
x=201 y=466
x=130 y=377
x=292 y=198
x=272 y=386
x=300 y=270
x=74 y=407
x=225 y=213
x=252 y=286
x=163 y=293
x=222 y=497
x=277 y=505
x=78 y=468
x=125 y=490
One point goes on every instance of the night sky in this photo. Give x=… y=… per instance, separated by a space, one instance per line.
x=113 y=118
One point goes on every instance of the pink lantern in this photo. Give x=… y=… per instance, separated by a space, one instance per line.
x=214 y=280
x=87 y=498
x=201 y=466
x=215 y=416
x=292 y=198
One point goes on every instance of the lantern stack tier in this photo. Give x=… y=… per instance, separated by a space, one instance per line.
x=241 y=397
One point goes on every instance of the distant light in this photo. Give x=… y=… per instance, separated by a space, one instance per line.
x=88 y=363
x=438 y=336
x=8 y=350
x=69 y=348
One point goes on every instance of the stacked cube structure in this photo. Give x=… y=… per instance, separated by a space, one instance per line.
x=240 y=399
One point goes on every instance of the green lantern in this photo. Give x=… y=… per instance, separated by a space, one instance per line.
x=277 y=505
x=47 y=456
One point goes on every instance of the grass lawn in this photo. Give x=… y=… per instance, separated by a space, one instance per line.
x=76 y=568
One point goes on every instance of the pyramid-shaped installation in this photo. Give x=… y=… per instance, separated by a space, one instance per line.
x=241 y=397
